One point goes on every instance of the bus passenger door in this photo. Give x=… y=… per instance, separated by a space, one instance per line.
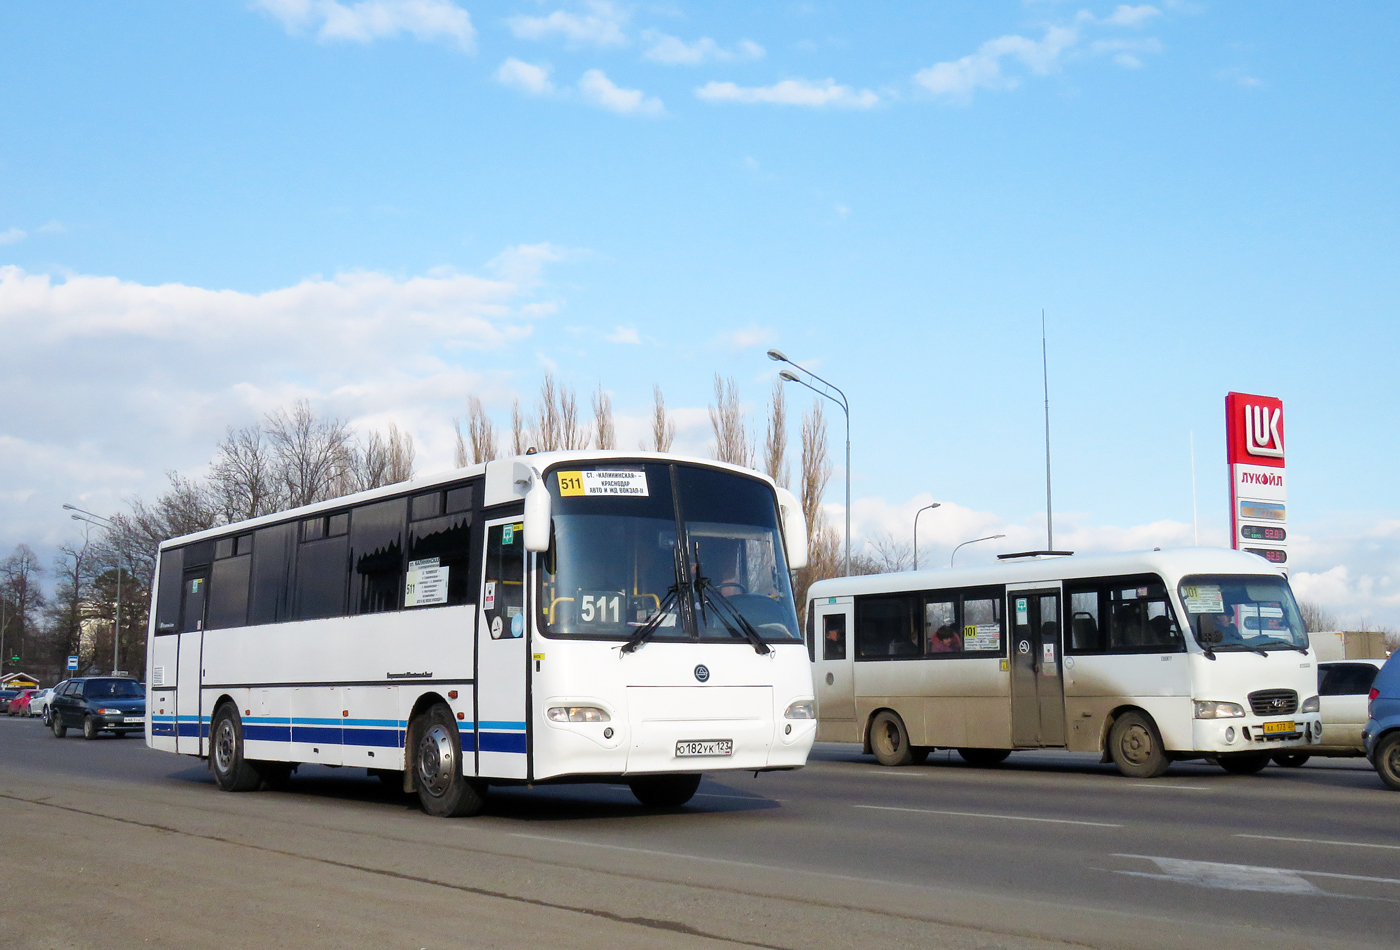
x=832 y=670
x=502 y=637
x=194 y=592
x=1037 y=687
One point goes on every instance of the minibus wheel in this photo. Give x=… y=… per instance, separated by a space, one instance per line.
x=231 y=770
x=1243 y=763
x=1290 y=760
x=984 y=757
x=1135 y=746
x=443 y=791
x=1386 y=759
x=889 y=740
x=664 y=791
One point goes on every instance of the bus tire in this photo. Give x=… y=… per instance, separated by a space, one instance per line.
x=59 y=729
x=1386 y=759
x=919 y=754
x=1135 y=746
x=443 y=791
x=232 y=771
x=664 y=791
x=1290 y=760
x=889 y=740
x=1243 y=763
x=984 y=757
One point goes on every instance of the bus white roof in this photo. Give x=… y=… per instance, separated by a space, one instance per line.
x=1171 y=564
x=500 y=486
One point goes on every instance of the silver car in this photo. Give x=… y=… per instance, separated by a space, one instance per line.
x=1344 y=687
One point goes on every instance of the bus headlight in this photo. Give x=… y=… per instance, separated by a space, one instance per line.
x=577 y=714
x=1311 y=704
x=1209 y=709
x=802 y=709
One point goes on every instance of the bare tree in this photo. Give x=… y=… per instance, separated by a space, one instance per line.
x=460 y=456
x=546 y=433
x=74 y=570
x=21 y=599
x=884 y=555
x=775 y=446
x=483 y=434
x=727 y=421
x=314 y=455
x=371 y=464
x=1316 y=618
x=519 y=438
x=823 y=546
x=243 y=476
x=604 y=434
x=573 y=434
x=663 y=430
x=401 y=454
x=185 y=508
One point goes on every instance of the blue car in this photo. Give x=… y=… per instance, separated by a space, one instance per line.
x=1382 y=733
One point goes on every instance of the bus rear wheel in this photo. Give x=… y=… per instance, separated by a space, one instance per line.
x=443 y=791
x=232 y=771
x=1135 y=746
x=984 y=757
x=1243 y=763
x=664 y=791
x=889 y=740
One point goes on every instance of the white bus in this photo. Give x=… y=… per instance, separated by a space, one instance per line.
x=553 y=617
x=1145 y=658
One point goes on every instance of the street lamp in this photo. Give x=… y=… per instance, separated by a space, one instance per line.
x=107 y=525
x=990 y=537
x=791 y=377
x=916 y=530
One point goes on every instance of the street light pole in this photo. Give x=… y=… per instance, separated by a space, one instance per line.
x=990 y=537
x=791 y=377
x=107 y=525
x=916 y=530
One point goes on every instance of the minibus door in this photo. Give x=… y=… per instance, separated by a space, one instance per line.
x=832 y=670
x=194 y=597
x=1037 y=687
x=502 y=636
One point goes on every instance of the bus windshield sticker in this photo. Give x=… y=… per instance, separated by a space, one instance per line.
x=632 y=483
x=507 y=534
x=1203 y=599
x=425 y=583
x=1022 y=612
x=982 y=636
x=489 y=598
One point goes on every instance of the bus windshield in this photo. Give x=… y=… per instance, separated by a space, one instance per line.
x=701 y=547
x=1242 y=613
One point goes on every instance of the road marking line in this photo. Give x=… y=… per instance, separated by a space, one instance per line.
x=1190 y=788
x=737 y=798
x=1199 y=872
x=975 y=814
x=1346 y=844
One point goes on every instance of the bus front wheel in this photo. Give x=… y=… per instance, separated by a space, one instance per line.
x=1135 y=746
x=443 y=791
x=664 y=791
x=889 y=740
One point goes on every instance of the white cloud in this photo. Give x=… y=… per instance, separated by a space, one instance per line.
x=1126 y=15
x=601 y=26
x=368 y=20
x=750 y=336
x=673 y=51
x=53 y=227
x=597 y=89
x=525 y=76
x=957 y=79
x=1126 y=53
x=1240 y=77
x=624 y=335
x=13 y=236
x=791 y=92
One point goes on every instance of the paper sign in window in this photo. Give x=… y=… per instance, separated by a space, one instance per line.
x=425 y=583
x=625 y=482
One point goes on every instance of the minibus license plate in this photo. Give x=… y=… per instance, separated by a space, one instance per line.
x=692 y=747
x=1279 y=728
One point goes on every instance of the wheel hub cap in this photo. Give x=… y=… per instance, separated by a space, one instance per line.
x=436 y=762
x=223 y=746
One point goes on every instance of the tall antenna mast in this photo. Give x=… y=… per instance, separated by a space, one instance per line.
x=1195 y=522
x=1045 y=375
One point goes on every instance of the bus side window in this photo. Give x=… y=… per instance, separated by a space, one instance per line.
x=1086 y=630
x=377 y=554
x=834 y=637
x=884 y=628
x=941 y=632
x=273 y=550
x=446 y=541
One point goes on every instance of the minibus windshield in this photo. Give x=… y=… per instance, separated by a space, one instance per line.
x=1242 y=612
x=701 y=546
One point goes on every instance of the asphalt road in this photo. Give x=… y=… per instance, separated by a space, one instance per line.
x=108 y=844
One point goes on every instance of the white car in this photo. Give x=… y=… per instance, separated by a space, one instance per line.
x=1344 y=688
x=39 y=702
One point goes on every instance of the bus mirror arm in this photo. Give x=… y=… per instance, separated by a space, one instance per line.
x=794 y=529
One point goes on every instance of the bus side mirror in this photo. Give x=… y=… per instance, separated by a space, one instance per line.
x=794 y=529
x=537 y=515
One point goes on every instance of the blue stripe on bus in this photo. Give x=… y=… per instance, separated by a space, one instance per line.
x=383 y=738
x=502 y=742
x=268 y=733
x=487 y=724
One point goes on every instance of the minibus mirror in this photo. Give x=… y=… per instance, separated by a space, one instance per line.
x=1210 y=636
x=794 y=529
x=537 y=515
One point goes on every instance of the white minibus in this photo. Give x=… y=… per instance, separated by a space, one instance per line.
x=1144 y=658
x=555 y=617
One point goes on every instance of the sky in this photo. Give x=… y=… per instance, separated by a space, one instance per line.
x=386 y=207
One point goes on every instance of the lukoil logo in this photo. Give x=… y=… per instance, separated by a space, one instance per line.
x=1261 y=435
x=1261 y=478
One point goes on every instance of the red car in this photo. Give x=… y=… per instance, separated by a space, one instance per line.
x=19 y=706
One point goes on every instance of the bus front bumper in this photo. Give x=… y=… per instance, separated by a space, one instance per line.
x=1252 y=734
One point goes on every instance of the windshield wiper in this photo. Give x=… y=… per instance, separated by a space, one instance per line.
x=651 y=626
x=735 y=618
